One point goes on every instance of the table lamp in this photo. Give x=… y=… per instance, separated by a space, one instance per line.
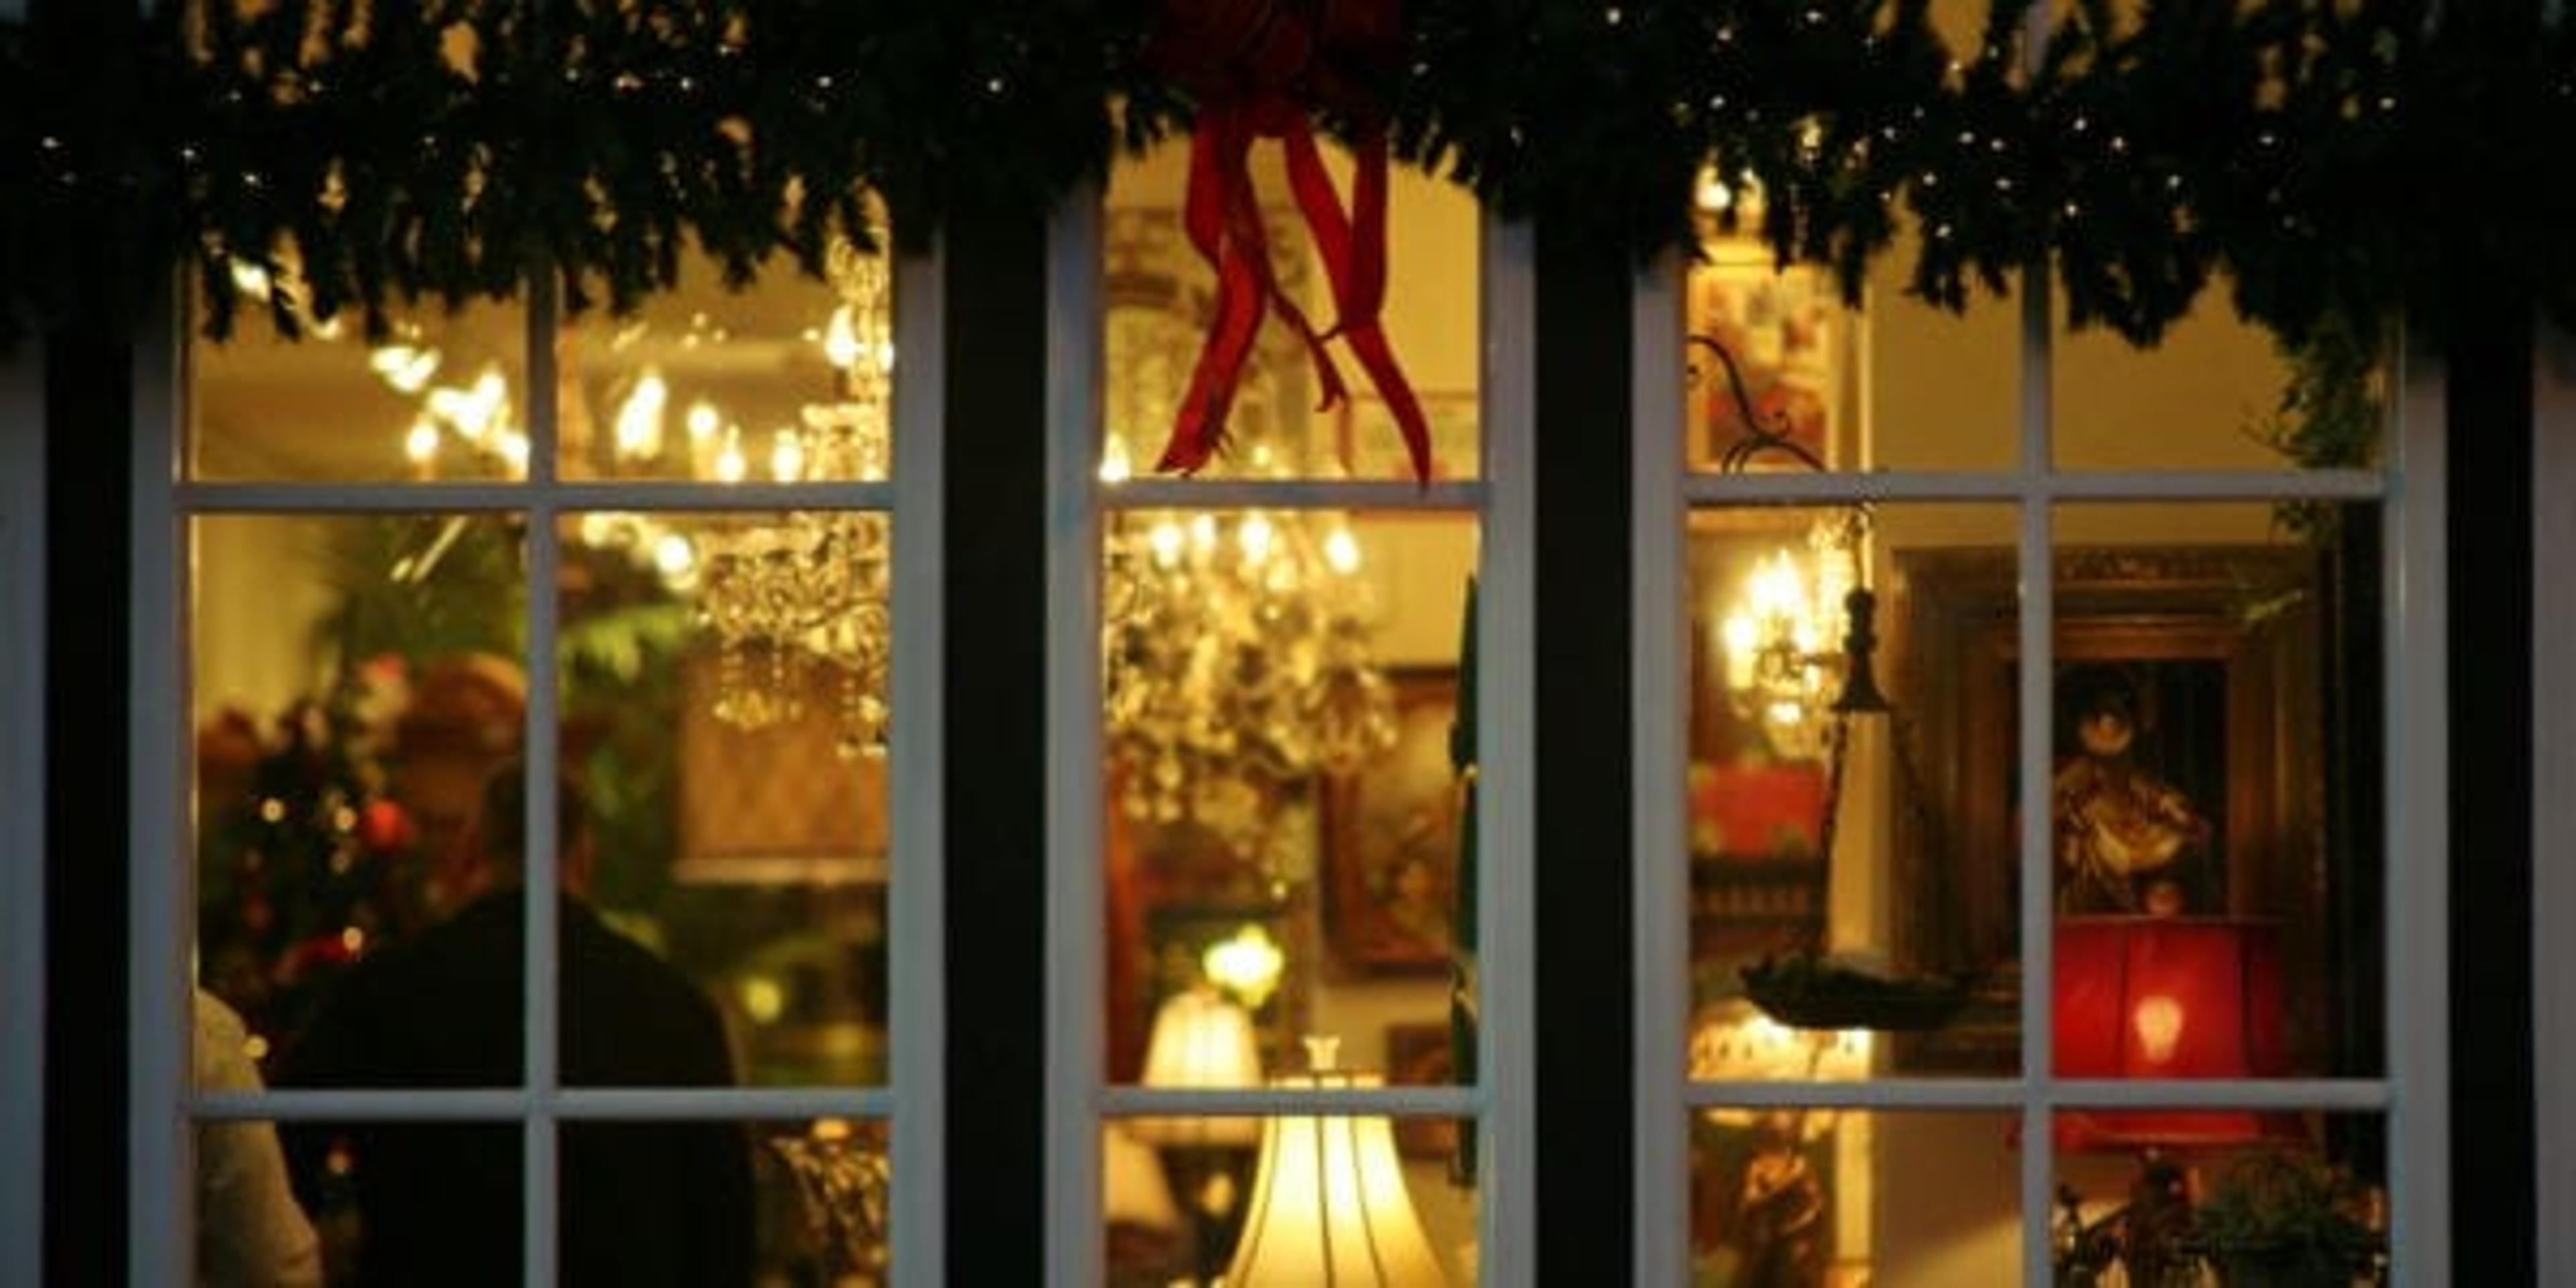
x=2166 y=997
x=1330 y=1204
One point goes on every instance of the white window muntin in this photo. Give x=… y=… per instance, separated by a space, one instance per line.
x=2414 y=1092
x=163 y=1104
x=1500 y=501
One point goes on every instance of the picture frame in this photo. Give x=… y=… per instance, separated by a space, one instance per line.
x=2216 y=645
x=1390 y=837
x=1421 y=1055
x=1785 y=337
x=1370 y=447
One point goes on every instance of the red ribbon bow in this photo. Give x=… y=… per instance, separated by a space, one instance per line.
x=1255 y=66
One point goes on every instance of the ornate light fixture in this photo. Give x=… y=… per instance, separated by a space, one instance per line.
x=797 y=602
x=1238 y=661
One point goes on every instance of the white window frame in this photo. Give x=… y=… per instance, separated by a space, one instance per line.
x=2415 y=1092
x=1500 y=501
x=163 y=1104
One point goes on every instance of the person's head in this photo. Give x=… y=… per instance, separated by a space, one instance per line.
x=501 y=829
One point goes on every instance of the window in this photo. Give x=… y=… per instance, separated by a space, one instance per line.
x=662 y=560
x=2104 y=857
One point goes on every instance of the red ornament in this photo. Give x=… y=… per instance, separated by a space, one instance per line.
x=1257 y=69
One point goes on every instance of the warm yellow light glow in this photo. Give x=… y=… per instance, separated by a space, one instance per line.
x=639 y=418
x=1166 y=540
x=703 y=421
x=786 y=456
x=250 y=279
x=1114 y=465
x=1203 y=532
x=1330 y=1205
x=1246 y=964
x=730 y=466
x=831 y=1129
x=1255 y=536
x=514 y=449
x=1342 y=551
x=406 y=368
x=1712 y=195
x=674 y=555
x=2158 y=1020
x=353 y=939
x=1201 y=1041
x=763 y=1000
x=420 y=445
x=841 y=338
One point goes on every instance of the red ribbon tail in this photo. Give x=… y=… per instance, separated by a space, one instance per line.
x=1312 y=185
x=1368 y=343
x=1217 y=164
x=1367 y=284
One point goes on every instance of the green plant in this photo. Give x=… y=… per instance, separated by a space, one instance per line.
x=2330 y=411
x=2283 y=1218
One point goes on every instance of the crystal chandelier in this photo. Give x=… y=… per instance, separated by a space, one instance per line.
x=1238 y=658
x=1783 y=636
x=797 y=603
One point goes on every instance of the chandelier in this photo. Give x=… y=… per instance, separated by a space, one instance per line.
x=1783 y=636
x=796 y=603
x=1238 y=661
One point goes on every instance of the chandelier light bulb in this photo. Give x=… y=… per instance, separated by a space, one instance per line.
x=703 y=421
x=674 y=555
x=639 y=418
x=1255 y=537
x=841 y=339
x=514 y=449
x=1342 y=551
x=421 y=443
x=405 y=368
x=786 y=456
x=1203 y=532
x=1114 y=464
x=730 y=467
x=1166 y=542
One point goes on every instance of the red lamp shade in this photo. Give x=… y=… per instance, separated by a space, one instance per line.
x=2165 y=997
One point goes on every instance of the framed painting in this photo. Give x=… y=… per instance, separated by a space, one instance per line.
x=1390 y=840
x=2187 y=736
x=1769 y=339
x=1419 y=1055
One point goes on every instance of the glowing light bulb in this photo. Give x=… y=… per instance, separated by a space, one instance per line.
x=786 y=456
x=1203 y=532
x=1255 y=537
x=729 y=463
x=1114 y=465
x=1342 y=551
x=674 y=555
x=638 y=433
x=1166 y=542
x=250 y=279
x=1713 y=195
x=1248 y=964
x=703 y=421
x=405 y=368
x=2158 y=1020
x=421 y=443
x=841 y=339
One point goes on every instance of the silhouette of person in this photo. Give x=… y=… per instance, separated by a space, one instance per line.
x=641 y=1203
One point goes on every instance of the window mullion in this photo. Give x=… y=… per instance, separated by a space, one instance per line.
x=161 y=1220
x=917 y=930
x=2417 y=613
x=1660 y=733
x=538 y=1047
x=2037 y=692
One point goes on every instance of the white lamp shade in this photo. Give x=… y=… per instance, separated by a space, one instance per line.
x=1330 y=1206
x=1201 y=1041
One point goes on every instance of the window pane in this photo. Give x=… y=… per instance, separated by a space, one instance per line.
x=1291 y=1200
x=1163 y=302
x=356 y=682
x=788 y=379
x=718 y=1202
x=1771 y=359
x=1942 y=389
x=1286 y=844
x=443 y=397
x=724 y=717
x=1847 y=1197
x=2216 y=784
x=1843 y=923
x=2166 y=1196
x=2217 y=393
x=389 y=1202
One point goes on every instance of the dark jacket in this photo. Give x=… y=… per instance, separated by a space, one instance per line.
x=440 y=1203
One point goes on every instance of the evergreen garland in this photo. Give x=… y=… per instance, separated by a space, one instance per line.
x=2331 y=157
